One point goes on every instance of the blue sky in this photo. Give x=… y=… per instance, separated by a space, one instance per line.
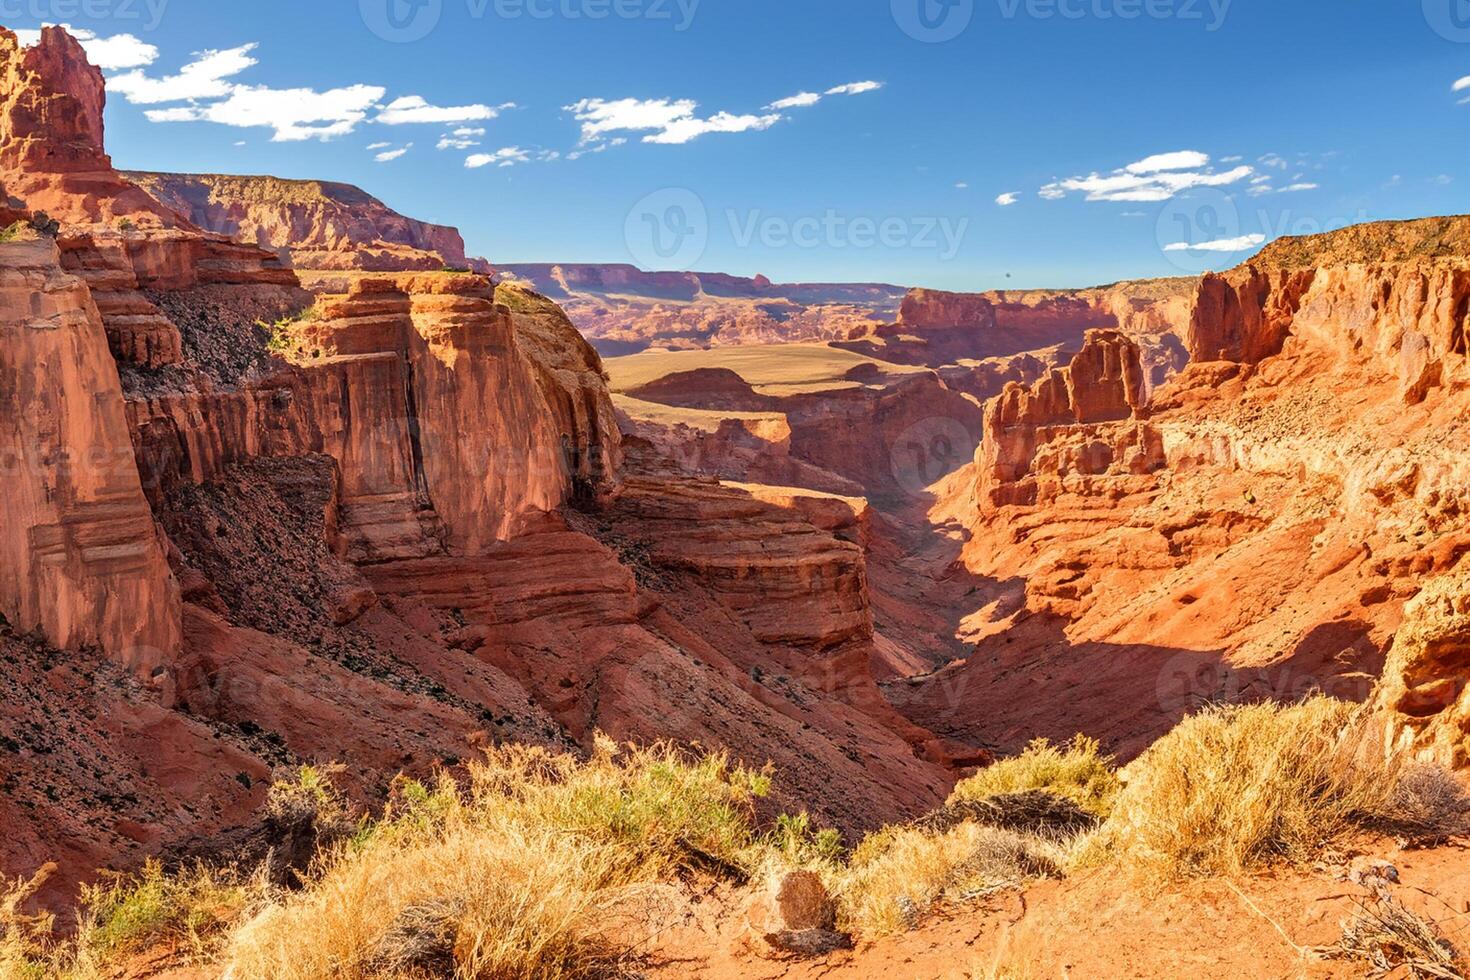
x=1130 y=132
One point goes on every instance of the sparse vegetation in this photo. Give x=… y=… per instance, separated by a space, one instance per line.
x=506 y=877
x=13 y=231
x=511 y=870
x=1232 y=789
x=281 y=336
x=1078 y=771
x=896 y=877
x=1391 y=939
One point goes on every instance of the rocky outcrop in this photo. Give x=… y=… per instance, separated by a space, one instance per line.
x=51 y=129
x=1425 y=695
x=83 y=562
x=1258 y=531
x=317 y=224
x=1056 y=428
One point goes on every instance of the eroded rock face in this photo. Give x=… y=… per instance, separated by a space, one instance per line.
x=1424 y=694
x=1256 y=531
x=1055 y=428
x=82 y=560
x=51 y=151
x=319 y=224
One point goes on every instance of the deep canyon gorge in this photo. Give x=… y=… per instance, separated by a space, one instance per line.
x=293 y=479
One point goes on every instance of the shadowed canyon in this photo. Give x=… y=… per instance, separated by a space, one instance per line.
x=292 y=480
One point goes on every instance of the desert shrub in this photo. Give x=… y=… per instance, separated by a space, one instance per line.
x=799 y=844
x=27 y=951
x=898 y=874
x=1234 y=788
x=507 y=876
x=1428 y=806
x=1078 y=771
x=191 y=907
x=13 y=231
x=1391 y=939
x=280 y=335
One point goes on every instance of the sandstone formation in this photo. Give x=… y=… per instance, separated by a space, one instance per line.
x=382 y=526
x=83 y=562
x=51 y=149
x=1253 y=530
x=317 y=224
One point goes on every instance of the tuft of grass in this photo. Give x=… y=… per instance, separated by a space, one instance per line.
x=1391 y=939
x=1077 y=771
x=191 y=908
x=13 y=231
x=27 y=950
x=898 y=875
x=1232 y=789
x=508 y=876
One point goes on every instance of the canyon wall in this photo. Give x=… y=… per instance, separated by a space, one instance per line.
x=83 y=562
x=318 y=224
x=1258 y=527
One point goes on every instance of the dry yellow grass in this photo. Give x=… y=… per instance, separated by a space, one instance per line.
x=1078 y=771
x=511 y=877
x=899 y=875
x=1232 y=789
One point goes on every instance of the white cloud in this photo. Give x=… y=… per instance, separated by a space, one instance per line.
x=579 y=154
x=1008 y=198
x=505 y=157
x=294 y=114
x=379 y=146
x=1461 y=85
x=1156 y=178
x=797 y=101
x=1273 y=160
x=855 y=88
x=108 y=53
x=389 y=155
x=415 y=109
x=962 y=186
x=1294 y=188
x=684 y=130
x=1178 y=160
x=202 y=78
x=1444 y=180
x=1240 y=244
x=666 y=121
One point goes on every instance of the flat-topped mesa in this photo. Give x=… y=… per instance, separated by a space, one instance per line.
x=51 y=129
x=80 y=558
x=1394 y=295
x=1058 y=426
x=320 y=225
